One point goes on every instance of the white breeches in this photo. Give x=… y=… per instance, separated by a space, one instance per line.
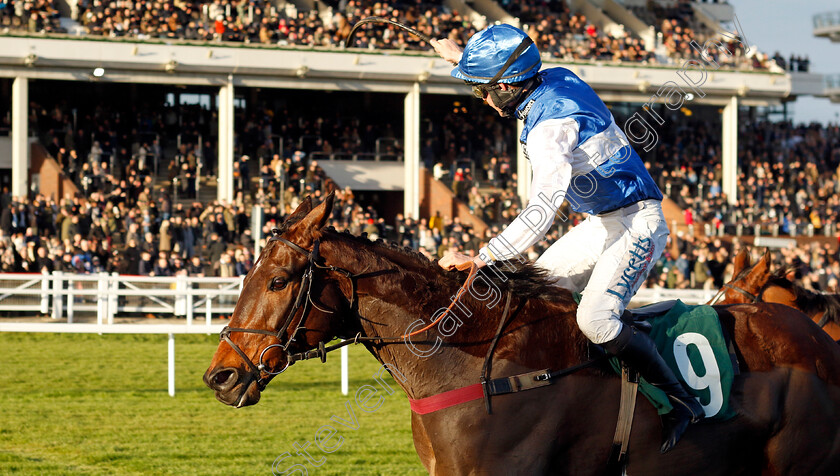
x=607 y=257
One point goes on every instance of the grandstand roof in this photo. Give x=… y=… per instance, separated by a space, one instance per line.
x=309 y=68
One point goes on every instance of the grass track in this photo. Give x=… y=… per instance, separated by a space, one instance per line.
x=89 y=404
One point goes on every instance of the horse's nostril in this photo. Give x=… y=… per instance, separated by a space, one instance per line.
x=224 y=378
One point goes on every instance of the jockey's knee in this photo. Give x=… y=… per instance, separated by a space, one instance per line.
x=598 y=324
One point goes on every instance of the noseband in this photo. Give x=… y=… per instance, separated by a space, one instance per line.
x=304 y=299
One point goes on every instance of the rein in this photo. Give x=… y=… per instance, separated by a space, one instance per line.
x=754 y=297
x=487 y=388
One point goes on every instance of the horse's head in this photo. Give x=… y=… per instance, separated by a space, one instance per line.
x=748 y=280
x=286 y=306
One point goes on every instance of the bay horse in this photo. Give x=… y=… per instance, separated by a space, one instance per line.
x=759 y=283
x=312 y=284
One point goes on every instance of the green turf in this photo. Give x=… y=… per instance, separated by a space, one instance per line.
x=90 y=404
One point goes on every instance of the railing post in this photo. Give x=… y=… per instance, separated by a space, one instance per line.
x=114 y=297
x=70 y=298
x=58 y=297
x=45 y=292
x=171 y=372
x=186 y=288
x=208 y=311
x=102 y=298
x=344 y=373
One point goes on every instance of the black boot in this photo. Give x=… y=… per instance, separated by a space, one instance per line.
x=639 y=352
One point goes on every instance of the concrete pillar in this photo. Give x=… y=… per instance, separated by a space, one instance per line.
x=729 y=150
x=225 y=154
x=523 y=167
x=411 y=153
x=20 y=137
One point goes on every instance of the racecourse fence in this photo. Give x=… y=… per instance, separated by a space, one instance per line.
x=63 y=295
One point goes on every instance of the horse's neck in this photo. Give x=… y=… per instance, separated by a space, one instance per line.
x=391 y=300
x=394 y=300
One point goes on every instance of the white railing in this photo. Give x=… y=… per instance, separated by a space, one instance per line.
x=688 y=296
x=62 y=295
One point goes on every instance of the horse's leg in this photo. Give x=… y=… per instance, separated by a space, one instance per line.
x=422 y=443
x=808 y=442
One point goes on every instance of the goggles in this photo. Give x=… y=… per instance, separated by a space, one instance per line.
x=481 y=91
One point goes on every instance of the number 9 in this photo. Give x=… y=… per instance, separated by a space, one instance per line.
x=710 y=380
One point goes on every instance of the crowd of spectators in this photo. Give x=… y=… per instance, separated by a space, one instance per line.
x=31 y=15
x=263 y=22
x=131 y=227
x=557 y=31
x=789 y=183
x=571 y=37
x=795 y=63
x=788 y=178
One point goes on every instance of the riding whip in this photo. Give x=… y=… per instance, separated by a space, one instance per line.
x=367 y=20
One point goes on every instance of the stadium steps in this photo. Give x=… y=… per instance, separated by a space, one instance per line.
x=492 y=11
x=435 y=197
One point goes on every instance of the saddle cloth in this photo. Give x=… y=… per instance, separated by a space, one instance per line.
x=691 y=341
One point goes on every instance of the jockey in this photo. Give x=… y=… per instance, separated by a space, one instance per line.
x=579 y=154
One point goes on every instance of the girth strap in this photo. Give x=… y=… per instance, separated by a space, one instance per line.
x=488 y=359
x=626 y=408
x=515 y=383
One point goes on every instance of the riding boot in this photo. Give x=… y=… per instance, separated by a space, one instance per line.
x=638 y=351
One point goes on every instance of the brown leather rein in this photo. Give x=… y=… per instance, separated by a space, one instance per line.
x=498 y=386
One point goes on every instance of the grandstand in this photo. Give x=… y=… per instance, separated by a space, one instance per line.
x=259 y=103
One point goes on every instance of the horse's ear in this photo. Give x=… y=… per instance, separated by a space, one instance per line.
x=790 y=275
x=302 y=210
x=741 y=262
x=766 y=259
x=317 y=218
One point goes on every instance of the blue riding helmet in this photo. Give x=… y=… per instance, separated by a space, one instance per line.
x=489 y=50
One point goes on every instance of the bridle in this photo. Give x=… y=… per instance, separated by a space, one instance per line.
x=753 y=297
x=304 y=301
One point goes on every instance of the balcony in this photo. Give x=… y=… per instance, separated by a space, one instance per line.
x=827 y=25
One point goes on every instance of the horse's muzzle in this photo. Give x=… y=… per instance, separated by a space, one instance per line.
x=233 y=387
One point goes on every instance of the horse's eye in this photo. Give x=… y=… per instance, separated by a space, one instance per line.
x=278 y=284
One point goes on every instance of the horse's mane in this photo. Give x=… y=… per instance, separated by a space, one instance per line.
x=808 y=301
x=525 y=280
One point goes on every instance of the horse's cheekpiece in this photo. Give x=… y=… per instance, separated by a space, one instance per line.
x=304 y=298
